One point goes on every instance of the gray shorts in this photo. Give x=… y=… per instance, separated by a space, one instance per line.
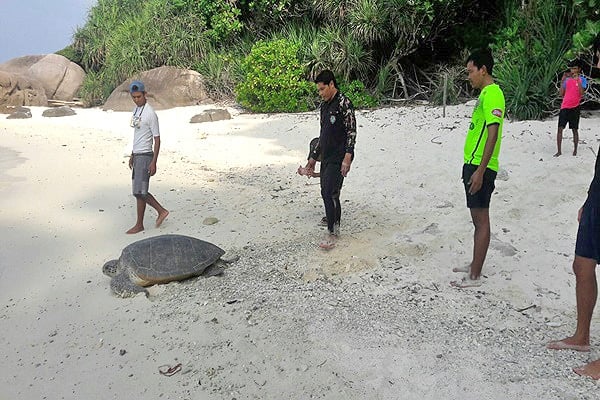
x=140 y=177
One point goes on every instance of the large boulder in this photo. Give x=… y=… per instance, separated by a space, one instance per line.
x=166 y=87
x=60 y=77
x=17 y=90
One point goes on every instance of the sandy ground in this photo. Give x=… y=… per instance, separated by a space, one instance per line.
x=375 y=318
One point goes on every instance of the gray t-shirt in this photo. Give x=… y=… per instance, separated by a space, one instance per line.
x=145 y=128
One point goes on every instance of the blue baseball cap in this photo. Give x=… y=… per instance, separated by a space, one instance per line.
x=137 y=86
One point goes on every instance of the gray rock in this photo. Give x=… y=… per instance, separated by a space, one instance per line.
x=19 y=115
x=210 y=221
x=166 y=87
x=63 y=111
x=60 y=77
x=211 y=116
x=18 y=90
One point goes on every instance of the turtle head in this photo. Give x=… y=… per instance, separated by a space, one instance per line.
x=111 y=268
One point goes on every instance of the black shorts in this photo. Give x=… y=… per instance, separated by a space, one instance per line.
x=570 y=115
x=481 y=199
x=588 y=234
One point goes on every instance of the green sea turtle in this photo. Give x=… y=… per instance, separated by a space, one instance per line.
x=162 y=259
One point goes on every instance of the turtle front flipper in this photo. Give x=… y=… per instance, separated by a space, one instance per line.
x=122 y=286
x=213 y=270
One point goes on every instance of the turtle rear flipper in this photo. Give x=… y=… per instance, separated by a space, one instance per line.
x=122 y=286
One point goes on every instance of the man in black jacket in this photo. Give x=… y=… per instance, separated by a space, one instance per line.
x=335 y=150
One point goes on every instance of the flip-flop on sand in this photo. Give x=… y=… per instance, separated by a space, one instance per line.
x=466 y=283
x=562 y=345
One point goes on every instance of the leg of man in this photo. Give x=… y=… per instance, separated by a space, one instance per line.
x=162 y=212
x=478 y=204
x=559 y=137
x=574 y=115
x=586 y=291
x=140 y=209
x=481 y=240
x=563 y=119
x=331 y=179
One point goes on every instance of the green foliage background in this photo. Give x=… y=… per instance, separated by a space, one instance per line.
x=378 y=49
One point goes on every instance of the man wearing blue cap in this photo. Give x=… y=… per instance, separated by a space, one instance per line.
x=146 y=145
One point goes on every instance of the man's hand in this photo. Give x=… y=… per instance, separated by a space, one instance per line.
x=579 y=214
x=131 y=161
x=346 y=164
x=152 y=168
x=476 y=181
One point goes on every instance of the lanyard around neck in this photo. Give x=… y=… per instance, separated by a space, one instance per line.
x=135 y=115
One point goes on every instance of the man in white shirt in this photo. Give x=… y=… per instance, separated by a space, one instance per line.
x=146 y=146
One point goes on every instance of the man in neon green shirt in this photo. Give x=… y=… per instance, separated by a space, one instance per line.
x=482 y=147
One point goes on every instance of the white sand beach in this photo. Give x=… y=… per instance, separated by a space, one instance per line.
x=374 y=318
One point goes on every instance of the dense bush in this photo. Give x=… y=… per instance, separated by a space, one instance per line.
x=587 y=14
x=456 y=85
x=358 y=94
x=393 y=47
x=530 y=53
x=274 y=79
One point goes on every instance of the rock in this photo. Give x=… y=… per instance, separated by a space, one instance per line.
x=210 y=221
x=211 y=115
x=17 y=90
x=60 y=77
x=63 y=111
x=20 y=114
x=166 y=87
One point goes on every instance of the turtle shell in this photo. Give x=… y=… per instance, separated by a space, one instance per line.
x=167 y=258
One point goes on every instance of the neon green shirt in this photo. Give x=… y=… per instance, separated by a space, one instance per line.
x=488 y=110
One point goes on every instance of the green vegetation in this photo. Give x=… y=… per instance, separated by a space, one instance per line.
x=265 y=53
x=273 y=79
x=537 y=31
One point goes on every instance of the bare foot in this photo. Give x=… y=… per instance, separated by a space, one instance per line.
x=465 y=269
x=574 y=152
x=568 y=344
x=557 y=154
x=328 y=242
x=466 y=282
x=591 y=369
x=135 y=229
x=161 y=217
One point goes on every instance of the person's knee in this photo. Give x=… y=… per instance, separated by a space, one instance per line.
x=140 y=196
x=584 y=267
x=480 y=217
